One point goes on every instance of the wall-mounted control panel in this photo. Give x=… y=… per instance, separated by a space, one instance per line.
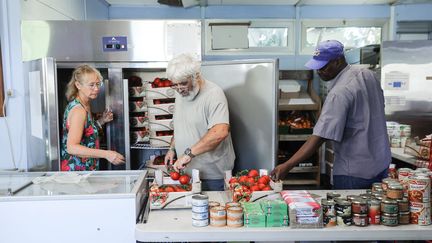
x=114 y=43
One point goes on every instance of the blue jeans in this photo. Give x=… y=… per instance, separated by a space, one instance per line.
x=351 y=182
x=212 y=185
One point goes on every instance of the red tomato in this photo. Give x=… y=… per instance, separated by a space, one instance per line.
x=243 y=179
x=233 y=180
x=250 y=180
x=175 y=175
x=255 y=188
x=267 y=178
x=267 y=188
x=263 y=180
x=253 y=173
x=261 y=186
x=184 y=179
x=169 y=189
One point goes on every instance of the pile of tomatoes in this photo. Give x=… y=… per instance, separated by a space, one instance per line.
x=246 y=182
x=161 y=83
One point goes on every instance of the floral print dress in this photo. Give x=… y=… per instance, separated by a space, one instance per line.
x=90 y=139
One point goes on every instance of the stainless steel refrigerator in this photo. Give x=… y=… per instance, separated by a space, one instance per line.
x=406 y=78
x=139 y=48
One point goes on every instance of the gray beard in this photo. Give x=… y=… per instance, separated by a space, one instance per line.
x=192 y=93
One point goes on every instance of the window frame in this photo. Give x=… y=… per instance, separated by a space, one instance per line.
x=253 y=23
x=334 y=23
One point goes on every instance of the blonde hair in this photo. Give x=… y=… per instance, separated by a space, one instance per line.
x=80 y=74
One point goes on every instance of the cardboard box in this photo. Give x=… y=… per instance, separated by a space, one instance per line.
x=158 y=93
x=161 y=200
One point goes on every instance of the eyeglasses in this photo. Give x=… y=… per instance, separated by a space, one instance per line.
x=179 y=85
x=93 y=86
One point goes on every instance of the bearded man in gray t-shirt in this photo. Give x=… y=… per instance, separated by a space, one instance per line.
x=202 y=138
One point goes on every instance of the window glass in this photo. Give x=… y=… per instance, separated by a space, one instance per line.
x=351 y=37
x=268 y=37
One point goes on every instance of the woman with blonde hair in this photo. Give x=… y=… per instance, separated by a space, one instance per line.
x=80 y=141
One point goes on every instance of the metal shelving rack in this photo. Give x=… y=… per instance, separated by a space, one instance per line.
x=309 y=175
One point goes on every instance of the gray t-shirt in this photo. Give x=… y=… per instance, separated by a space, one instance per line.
x=193 y=119
x=353 y=118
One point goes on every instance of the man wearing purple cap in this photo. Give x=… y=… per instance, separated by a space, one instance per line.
x=352 y=118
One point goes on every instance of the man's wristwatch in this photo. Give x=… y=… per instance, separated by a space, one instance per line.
x=189 y=153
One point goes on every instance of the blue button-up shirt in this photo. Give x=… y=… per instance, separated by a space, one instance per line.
x=353 y=118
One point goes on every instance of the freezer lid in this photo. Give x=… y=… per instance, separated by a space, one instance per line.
x=251 y=90
x=97 y=184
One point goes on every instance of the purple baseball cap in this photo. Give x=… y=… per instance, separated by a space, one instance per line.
x=325 y=51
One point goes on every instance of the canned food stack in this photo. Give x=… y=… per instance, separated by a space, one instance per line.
x=360 y=210
x=304 y=211
x=329 y=212
x=419 y=192
x=138 y=120
x=343 y=212
x=398 y=134
x=276 y=213
x=200 y=210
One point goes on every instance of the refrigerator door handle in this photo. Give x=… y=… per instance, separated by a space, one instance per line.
x=107 y=107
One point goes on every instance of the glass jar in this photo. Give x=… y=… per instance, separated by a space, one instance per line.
x=389 y=206
x=390 y=219
x=394 y=191
x=359 y=206
x=404 y=217
x=403 y=204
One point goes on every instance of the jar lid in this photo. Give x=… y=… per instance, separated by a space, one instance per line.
x=402 y=200
x=327 y=202
x=374 y=202
x=388 y=200
x=359 y=201
x=343 y=202
x=395 y=186
x=359 y=215
x=390 y=214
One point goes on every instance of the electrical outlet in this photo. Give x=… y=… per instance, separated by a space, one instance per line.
x=10 y=93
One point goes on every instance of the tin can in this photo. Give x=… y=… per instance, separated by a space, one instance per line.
x=343 y=208
x=424 y=217
x=359 y=206
x=389 y=206
x=232 y=204
x=390 y=219
x=394 y=191
x=403 y=205
x=218 y=216
x=386 y=182
x=234 y=216
x=374 y=208
x=333 y=195
x=200 y=200
x=200 y=209
x=200 y=223
x=366 y=196
x=419 y=188
x=376 y=186
x=416 y=209
x=217 y=212
x=199 y=216
x=329 y=221
x=404 y=173
x=360 y=220
x=213 y=204
x=352 y=197
x=328 y=207
x=404 y=217
x=344 y=220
